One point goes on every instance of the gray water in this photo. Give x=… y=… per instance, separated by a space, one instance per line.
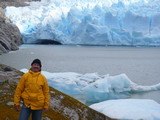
x=140 y=64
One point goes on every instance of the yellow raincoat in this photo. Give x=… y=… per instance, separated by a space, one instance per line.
x=33 y=90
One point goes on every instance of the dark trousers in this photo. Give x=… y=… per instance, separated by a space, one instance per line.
x=25 y=113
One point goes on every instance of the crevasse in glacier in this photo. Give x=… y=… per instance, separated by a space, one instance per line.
x=91 y=22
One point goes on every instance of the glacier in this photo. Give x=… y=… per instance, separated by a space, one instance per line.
x=89 y=22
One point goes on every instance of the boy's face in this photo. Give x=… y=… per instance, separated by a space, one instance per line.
x=35 y=67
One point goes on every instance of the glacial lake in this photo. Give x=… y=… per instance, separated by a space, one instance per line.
x=140 y=64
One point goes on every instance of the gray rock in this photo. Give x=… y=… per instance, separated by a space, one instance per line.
x=9 y=74
x=16 y=3
x=13 y=34
x=10 y=36
x=2 y=49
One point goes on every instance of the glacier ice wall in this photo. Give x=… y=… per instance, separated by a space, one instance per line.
x=91 y=22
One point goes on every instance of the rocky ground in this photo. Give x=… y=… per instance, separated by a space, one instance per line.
x=62 y=106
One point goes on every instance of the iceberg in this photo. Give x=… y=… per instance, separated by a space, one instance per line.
x=91 y=88
x=89 y=22
x=107 y=94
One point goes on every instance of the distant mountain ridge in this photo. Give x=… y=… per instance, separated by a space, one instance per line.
x=16 y=3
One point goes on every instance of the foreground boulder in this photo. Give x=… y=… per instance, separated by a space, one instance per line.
x=62 y=106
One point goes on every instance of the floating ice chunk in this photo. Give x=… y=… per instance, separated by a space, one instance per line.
x=129 y=109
